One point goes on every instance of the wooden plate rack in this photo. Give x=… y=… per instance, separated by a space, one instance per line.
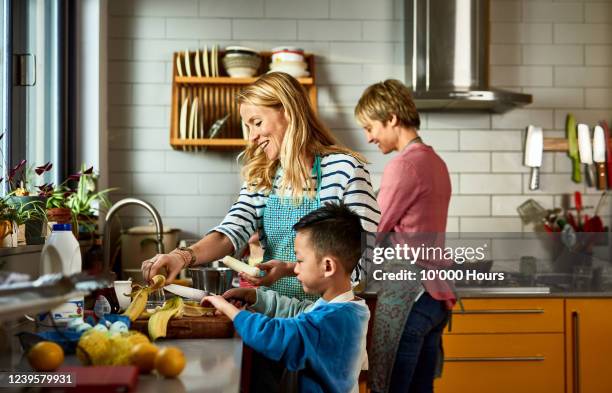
x=216 y=96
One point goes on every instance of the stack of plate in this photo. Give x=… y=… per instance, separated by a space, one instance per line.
x=289 y=59
x=241 y=62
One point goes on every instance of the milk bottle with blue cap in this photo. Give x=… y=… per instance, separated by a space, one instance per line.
x=61 y=254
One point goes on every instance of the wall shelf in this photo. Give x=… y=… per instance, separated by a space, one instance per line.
x=216 y=99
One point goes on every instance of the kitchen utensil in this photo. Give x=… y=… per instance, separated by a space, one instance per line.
x=572 y=138
x=531 y=211
x=534 y=148
x=205 y=61
x=578 y=204
x=600 y=203
x=604 y=125
x=187 y=292
x=187 y=63
x=585 y=149
x=198 y=66
x=568 y=236
x=599 y=156
x=215 y=280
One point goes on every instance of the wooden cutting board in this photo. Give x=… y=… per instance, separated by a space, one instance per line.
x=193 y=327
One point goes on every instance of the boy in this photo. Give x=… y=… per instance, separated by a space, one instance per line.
x=324 y=340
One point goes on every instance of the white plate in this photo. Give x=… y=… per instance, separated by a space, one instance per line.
x=183 y=119
x=194 y=118
x=192 y=114
x=179 y=66
x=198 y=67
x=205 y=55
x=215 y=70
x=187 y=64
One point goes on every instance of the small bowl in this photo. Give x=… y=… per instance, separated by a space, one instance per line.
x=287 y=56
x=241 y=72
x=244 y=61
x=293 y=49
x=288 y=65
x=240 y=50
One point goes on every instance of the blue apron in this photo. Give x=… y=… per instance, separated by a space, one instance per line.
x=280 y=214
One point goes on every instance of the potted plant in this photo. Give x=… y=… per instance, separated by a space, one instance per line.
x=85 y=202
x=25 y=201
x=8 y=226
x=78 y=205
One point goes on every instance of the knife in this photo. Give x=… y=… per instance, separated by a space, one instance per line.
x=599 y=156
x=570 y=127
x=585 y=148
x=534 y=147
x=189 y=293
x=604 y=125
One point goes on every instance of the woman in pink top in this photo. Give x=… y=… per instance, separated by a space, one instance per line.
x=414 y=196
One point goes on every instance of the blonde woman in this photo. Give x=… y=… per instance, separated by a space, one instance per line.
x=292 y=166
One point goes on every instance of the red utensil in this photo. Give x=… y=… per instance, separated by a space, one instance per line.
x=572 y=221
x=578 y=203
x=604 y=125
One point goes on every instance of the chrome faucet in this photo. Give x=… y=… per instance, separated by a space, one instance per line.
x=111 y=213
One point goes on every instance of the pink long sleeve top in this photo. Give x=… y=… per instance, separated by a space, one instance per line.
x=414 y=196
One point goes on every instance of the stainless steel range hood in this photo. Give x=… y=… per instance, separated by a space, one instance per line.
x=447 y=57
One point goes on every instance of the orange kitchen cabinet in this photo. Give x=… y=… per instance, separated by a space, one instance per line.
x=502 y=363
x=499 y=345
x=588 y=345
x=508 y=315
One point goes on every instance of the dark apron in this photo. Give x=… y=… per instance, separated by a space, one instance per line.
x=394 y=303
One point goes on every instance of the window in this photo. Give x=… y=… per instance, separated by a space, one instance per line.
x=39 y=78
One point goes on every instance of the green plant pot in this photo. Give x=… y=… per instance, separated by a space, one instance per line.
x=34 y=227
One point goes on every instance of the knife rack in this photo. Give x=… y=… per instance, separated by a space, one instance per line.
x=561 y=144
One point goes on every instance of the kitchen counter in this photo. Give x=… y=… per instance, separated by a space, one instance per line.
x=501 y=292
x=213 y=365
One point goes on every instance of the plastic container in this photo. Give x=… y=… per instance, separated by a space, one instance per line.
x=61 y=254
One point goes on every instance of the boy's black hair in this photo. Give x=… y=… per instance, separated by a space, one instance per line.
x=334 y=230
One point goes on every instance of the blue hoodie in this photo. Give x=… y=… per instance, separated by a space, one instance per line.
x=324 y=340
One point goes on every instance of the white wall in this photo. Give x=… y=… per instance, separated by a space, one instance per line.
x=561 y=52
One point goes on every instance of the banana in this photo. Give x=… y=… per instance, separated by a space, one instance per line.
x=158 y=323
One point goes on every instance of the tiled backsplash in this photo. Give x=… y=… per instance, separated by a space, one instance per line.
x=561 y=52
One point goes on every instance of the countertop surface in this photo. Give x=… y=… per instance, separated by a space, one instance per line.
x=501 y=292
x=213 y=365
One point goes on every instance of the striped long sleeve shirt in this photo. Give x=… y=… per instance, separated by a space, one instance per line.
x=343 y=179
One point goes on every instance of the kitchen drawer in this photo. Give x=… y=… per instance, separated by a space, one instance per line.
x=508 y=316
x=503 y=363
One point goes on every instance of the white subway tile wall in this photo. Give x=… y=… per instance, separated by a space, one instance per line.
x=561 y=52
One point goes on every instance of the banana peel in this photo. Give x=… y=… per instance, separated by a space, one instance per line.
x=158 y=322
x=140 y=297
x=193 y=309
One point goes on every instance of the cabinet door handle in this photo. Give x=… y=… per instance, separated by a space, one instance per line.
x=502 y=311
x=498 y=359
x=576 y=357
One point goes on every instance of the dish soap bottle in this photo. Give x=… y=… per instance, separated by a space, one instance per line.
x=62 y=254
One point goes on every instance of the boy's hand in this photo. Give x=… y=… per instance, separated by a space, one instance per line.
x=222 y=305
x=274 y=270
x=242 y=295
